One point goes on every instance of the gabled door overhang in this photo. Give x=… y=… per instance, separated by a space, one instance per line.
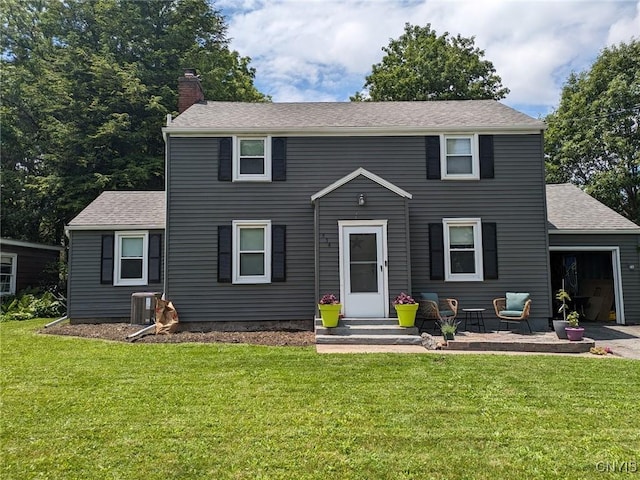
x=356 y=173
x=351 y=248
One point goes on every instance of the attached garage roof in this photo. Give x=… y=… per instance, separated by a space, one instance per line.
x=122 y=210
x=570 y=210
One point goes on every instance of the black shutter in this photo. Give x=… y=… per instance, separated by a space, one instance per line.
x=486 y=156
x=155 y=257
x=278 y=253
x=278 y=159
x=432 y=144
x=489 y=251
x=106 y=260
x=224 y=253
x=436 y=251
x=224 y=159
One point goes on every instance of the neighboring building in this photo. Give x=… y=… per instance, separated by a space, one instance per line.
x=270 y=205
x=27 y=264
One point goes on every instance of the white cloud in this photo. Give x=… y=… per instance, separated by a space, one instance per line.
x=322 y=50
x=625 y=28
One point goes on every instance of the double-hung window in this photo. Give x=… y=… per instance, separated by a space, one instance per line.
x=131 y=258
x=8 y=266
x=252 y=159
x=460 y=157
x=251 y=251
x=463 y=249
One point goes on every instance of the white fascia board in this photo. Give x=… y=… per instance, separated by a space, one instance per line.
x=70 y=228
x=292 y=131
x=559 y=231
x=21 y=243
x=365 y=173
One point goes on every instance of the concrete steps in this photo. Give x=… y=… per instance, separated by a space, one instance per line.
x=366 y=331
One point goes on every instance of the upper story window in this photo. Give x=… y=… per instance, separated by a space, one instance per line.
x=252 y=159
x=460 y=157
x=251 y=251
x=463 y=249
x=131 y=258
x=8 y=274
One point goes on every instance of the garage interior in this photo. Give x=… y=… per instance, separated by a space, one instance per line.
x=588 y=279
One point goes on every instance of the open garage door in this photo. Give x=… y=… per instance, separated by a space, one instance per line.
x=592 y=278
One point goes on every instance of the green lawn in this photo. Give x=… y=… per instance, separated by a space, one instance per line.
x=79 y=408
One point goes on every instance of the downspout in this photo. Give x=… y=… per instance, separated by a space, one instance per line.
x=55 y=322
x=408 y=244
x=316 y=253
x=166 y=137
x=140 y=332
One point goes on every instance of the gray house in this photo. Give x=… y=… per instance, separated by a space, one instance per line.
x=269 y=206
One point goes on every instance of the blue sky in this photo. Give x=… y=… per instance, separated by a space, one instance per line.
x=322 y=50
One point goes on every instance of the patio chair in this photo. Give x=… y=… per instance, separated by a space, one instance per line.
x=513 y=308
x=437 y=309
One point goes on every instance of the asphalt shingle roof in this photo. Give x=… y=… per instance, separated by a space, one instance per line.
x=569 y=208
x=144 y=209
x=309 y=116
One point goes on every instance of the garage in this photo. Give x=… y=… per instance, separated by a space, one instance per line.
x=595 y=252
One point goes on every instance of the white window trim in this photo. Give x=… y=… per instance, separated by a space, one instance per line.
x=117 y=281
x=236 y=175
x=14 y=273
x=476 y=223
x=237 y=226
x=475 y=158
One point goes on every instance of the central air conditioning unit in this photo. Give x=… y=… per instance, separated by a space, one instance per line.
x=143 y=307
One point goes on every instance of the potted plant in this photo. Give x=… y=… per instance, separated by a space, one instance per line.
x=329 y=307
x=448 y=327
x=574 y=331
x=559 y=326
x=406 y=308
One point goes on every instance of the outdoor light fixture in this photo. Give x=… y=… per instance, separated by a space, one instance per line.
x=362 y=200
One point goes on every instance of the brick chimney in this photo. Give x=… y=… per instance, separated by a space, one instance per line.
x=189 y=90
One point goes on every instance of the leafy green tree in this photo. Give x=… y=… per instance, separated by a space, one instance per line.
x=592 y=138
x=86 y=87
x=420 y=65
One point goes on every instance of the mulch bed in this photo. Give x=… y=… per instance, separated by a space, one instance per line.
x=119 y=332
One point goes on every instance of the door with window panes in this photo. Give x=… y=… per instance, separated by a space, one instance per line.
x=363 y=282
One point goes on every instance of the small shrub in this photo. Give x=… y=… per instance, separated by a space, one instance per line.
x=31 y=305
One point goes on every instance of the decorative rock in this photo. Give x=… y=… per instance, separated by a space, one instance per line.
x=429 y=342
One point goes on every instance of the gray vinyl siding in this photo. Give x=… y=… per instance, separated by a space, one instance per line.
x=88 y=299
x=381 y=204
x=515 y=200
x=629 y=255
x=197 y=203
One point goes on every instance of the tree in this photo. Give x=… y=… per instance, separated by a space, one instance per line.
x=592 y=139
x=423 y=66
x=85 y=91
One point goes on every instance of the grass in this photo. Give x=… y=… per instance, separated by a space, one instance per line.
x=89 y=409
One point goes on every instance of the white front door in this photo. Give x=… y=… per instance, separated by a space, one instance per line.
x=363 y=268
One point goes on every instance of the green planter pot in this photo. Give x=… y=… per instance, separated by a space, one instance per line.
x=407 y=314
x=330 y=314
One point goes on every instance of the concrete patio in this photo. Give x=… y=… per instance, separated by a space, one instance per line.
x=623 y=340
